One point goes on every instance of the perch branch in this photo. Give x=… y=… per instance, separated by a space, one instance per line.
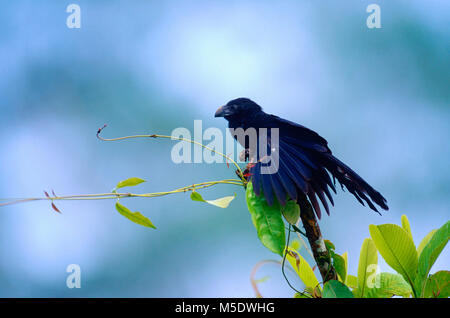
x=319 y=250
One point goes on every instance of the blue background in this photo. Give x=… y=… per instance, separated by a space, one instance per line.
x=379 y=96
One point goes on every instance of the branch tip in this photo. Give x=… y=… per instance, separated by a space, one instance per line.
x=100 y=130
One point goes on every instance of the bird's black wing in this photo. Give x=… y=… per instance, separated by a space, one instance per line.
x=304 y=166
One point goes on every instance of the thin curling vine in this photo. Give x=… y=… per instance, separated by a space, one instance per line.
x=238 y=169
x=137 y=217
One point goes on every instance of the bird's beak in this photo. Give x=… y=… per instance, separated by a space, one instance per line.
x=220 y=112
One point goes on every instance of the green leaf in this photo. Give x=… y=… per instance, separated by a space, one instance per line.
x=314 y=292
x=291 y=212
x=339 y=265
x=430 y=253
x=221 y=203
x=131 y=182
x=397 y=249
x=329 y=245
x=406 y=226
x=387 y=285
x=345 y=257
x=267 y=221
x=438 y=285
x=295 y=245
x=195 y=196
x=302 y=268
x=298 y=295
x=136 y=217
x=368 y=259
x=335 y=289
x=424 y=242
x=352 y=281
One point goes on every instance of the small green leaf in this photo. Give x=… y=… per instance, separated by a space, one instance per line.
x=291 y=212
x=329 y=245
x=298 y=295
x=335 y=289
x=131 y=182
x=424 y=242
x=430 y=253
x=221 y=202
x=345 y=257
x=397 y=249
x=352 y=281
x=438 y=285
x=387 y=285
x=339 y=262
x=136 y=217
x=302 y=268
x=195 y=196
x=406 y=226
x=295 y=245
x=368 y=259
x=339 y=265
x=314 y=292
x=267 y=221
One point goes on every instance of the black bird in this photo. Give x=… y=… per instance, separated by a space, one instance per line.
x=305 y=161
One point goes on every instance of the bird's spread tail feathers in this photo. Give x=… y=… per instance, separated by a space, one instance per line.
x=354 y=183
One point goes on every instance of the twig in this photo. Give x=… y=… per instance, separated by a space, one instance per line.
x=117 y=195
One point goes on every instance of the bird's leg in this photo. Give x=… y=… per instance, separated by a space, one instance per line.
x=244 y=155
x=321 y=254
x=247 y=155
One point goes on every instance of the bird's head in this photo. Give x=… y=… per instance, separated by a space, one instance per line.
x=240 y=107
